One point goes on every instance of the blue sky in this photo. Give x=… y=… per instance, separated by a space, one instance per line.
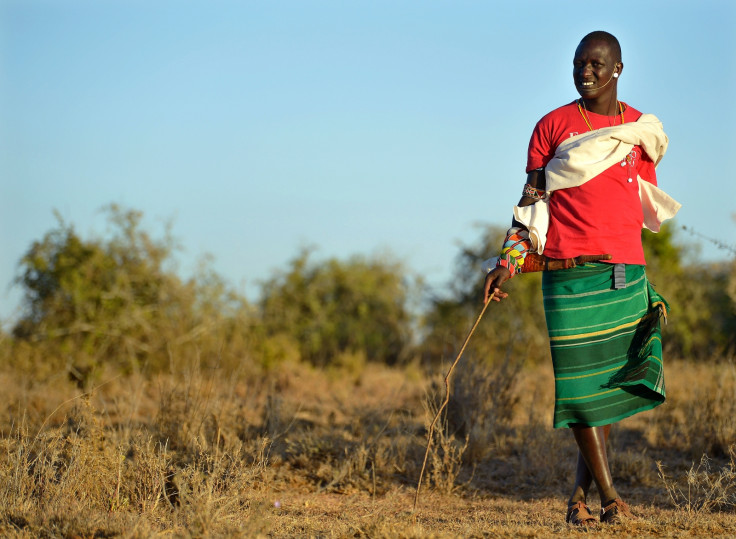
x=358 y=127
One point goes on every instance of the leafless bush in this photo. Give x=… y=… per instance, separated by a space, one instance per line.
x=707 y=487
x=482 y=404
x=445 y=448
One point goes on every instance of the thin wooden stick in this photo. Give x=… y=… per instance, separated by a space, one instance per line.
x=447 y=398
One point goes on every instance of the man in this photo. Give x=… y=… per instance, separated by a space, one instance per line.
x=591 y=186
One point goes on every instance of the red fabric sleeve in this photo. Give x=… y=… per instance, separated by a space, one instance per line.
x=540 y=148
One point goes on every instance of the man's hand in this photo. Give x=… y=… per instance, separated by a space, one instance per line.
x=493 y=283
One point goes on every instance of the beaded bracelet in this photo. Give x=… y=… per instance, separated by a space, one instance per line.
x=515 y=248
x=532 y=192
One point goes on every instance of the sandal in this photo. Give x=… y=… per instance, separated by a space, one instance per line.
x=578 y=514
x=616 y=512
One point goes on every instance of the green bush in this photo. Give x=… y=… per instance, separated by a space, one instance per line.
x=334 y=308
x=118 y=301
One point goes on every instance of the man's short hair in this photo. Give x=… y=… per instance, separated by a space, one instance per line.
x=600 y=35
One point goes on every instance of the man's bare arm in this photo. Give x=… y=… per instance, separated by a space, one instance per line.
x=537 y=180
x=499 y=275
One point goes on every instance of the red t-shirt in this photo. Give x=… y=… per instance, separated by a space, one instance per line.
x=603 y=215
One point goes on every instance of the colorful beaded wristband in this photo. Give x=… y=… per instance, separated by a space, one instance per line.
x=532 y=192
x=514 y=250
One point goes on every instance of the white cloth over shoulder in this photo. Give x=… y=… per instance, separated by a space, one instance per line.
x=583 y=157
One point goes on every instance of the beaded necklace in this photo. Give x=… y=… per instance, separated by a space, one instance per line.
x=585 y=114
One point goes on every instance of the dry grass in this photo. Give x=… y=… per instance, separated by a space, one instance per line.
x=302 y=452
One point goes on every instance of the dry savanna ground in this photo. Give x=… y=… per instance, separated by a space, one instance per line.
x=335 y=453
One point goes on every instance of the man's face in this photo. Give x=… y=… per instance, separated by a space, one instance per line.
x=593 y=68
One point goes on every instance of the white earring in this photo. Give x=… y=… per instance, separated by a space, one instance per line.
x=615 y=75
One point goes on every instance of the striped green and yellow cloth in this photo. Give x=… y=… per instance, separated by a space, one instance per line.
x=606 y=344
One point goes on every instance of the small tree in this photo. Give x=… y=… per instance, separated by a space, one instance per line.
x=116 y=300
x=334 y=308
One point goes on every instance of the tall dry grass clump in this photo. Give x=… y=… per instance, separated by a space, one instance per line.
x=98 y=463
x=708 y=486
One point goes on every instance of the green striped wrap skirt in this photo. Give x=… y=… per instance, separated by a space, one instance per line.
x=606 y=344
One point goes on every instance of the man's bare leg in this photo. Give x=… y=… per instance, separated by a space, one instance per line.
x=592 y=464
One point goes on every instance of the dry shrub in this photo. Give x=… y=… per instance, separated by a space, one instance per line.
x=339 y=472
x=445 y=450
x=66 y=470
x=144 y=476
x=205 y=491
x=699 y=416
x=395 y=455
x=482 y=404
x=185 y=468
x=185 y=415
x=706 y=487
x=478 y=422
x=205 y=409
